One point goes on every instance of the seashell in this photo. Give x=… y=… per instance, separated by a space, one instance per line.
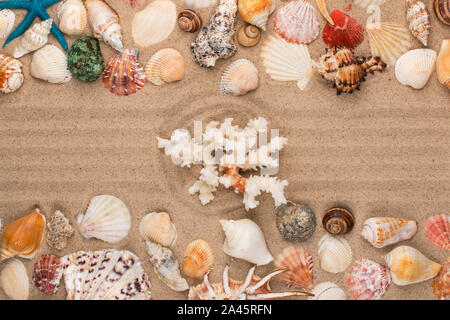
x=23 y=237
x=59 y=230
x=437 y=230
x=322 y=5
x=200 y=4
x=154 y=23
x=415 y=67
x=198 y=259
x=14 y=280
x=189 y=21
x=338 y=221
x=72 y=17
x=106 y=218
x=368 y=280
x=50 y=63
x=248 y=35
x=104 y=22
x=418 y=20
x=166 y=267
x=123 y=75
x=47 y=273
x=158 y=228
x=299 y=265
x=165 y=66
x=442 y=10
x=296 y=22
x=346 y=31
x=335 y=253
x=256 y=12
x=441 y=283
x=34 y=38
x=239 y=78
x=7 y=18
x=245 y=240
x=409 y=265
x=11 y=75
x=327 y=291
x=295 y=222
x=367 y=3
x=443 y=63
x=384 y=231
x=85 y=60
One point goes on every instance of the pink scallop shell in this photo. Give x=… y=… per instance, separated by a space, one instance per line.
x=299 y=265
x=368 y=280
x=47 y=273
x=437 y=230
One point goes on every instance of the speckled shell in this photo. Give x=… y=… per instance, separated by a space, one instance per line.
x=14 y=280
x=198 y=259
x=256 y=12
x=441 y=283
x=85 y=60
x=443 y=63
x=442 y=10
x=418 y=20
x=295 y=222
x=384 y=231
x=165 y=66
x=158 y=228
x=415 y=67
x=299 y=265
x=437 y=230
x=50 y=64
x=189 y=21
x=248 y=35
x=7 y=18
x=47 y=273
x=72 y=17
x=239 y=78
x=11 y=75
x=338 y=221
x=59 y=230
x=34 y=38
x=327 y=291
x=368 y=280
x=335 y=253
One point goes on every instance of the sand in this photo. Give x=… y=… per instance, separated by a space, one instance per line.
x=382 y=151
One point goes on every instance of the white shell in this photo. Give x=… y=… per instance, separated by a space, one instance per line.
x=415 y=67
x=239 y=77
x=335 y=253
x=287 y=61
x=418 y=20
x=200 y=4
x=50 y=63
x=7 y=18
x=34 y=38
x=107 y=218
x=384 y=231
x=72 y=17
x=11 y=75
x=245 y=240
x=166 y=65
x=157 y=227
x=14 y=280
x=327 y=291
x=367 y=3
x=154 y=23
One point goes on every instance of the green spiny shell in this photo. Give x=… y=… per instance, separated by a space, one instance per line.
x=296 y=222
x=85 y=59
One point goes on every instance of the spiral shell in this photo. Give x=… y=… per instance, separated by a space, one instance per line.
x=338 y=221
x=11 y=76
x=165 y=66
x=442 y=10
x=189 y=21
x=239 y=78
x=299 y=265
x=158 y=228
x=327 y=291
x=384 y=231
x=418 y=20
x=335 y=253
x=7 y=18
x=256 y=12
x=14 y=280
x=47 y=273
x=248 y=35
x=437 y=230
x=34 y=38
x=441 y=283
x=295 y=222
x=368 y=280
x=198 y=259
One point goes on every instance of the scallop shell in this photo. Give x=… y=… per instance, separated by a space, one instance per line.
x=158 y=228
x=47 y=273
x=200 y=4
x=165 y=66
x=123 y=75
x=366 y=3
x=23 y=237
x=155 y=23
x=14 y=280
x=72 y=17
x=368 y=280
x=7 y=18
x=322 y=5
x=437 y=230
x=338 y=221
x=327 y=291
x=441 y=283
x=418 y=20
x=256 y=12
x=335 y=253
x=442 y=10
x=34 y=38
x=189 y=21
x=248 y=35
x=198 y=259
x=295 y=222
x=384 y=231
x=409 y=265
x=299 y=265
x=11 y=76
x=107 y=218
x=239 y=77
x=50 y=63
x=59 y=230
x=415 y=67
x=296 y=22
x=443 y=63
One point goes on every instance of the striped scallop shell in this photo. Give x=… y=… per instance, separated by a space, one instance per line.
x=368 y=280
x=11 y=76
x=72 y=17
x=256 y=12
x=415 y=67
x=50 y=63
x=299 y=265
x=200 y=4
x=384 y=231
x=418 y=20
x=198 y=259
x=239 y=77
x=7 y=18
x=441 y=283
x=157 y=227
x=327 y=291
x=47 y=273
x=437 y=230
x=14 y=280
x=165 y=66
x=335 y=253
x=34 y=38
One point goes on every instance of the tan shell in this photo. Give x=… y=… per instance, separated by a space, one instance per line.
x=14 y=280
x=7 y=18
x=157 y=227
x=239 y=78
x=189 y=21
x=166 y=65
x=248 y=35
x=198 y=259
x=72 y=17
x=59 y=230
x=335 y=253
x=443 y=63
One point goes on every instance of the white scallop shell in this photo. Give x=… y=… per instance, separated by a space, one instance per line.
x=335 y=253
x=72 y=17
x=200 y=4
x=107 y=218
x=34 y=38
x=50 y=63
x=7 y=18
x=239 y=77
x=14 y=280
x=366 y=3
x=415 y=67
x=11 y=75
x=166 y=65
x=327 y=291
x=157 y=227
x=287 y=61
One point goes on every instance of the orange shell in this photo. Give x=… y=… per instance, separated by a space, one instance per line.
x=437 y=230
x=299 y=265
x=198 y=259
x=441 y=284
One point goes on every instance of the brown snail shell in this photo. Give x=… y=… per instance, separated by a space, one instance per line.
x=442 y=10
x=189 y=20
x=248 y=35
x=338 y=221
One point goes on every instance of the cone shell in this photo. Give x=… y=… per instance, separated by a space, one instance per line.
x=155 y=23
x=437 y=230
x=285 y=61
x=441 y=284
x=14 y=280
x=47 y=273
x=338 y=221
x=198 y=259
x=299 y=265
x=248 y=35
x=23 y=237
x=157 y=227
x=384 y=231
x=442 y=10
x=7 y=18
x=11 y=76
x=409 y=265
x=107 y=218
x=443 y=63
x=50 y=63
x=296 y=22
x=418 y=20
x=123 y=75
x=327 y=291
x=165 y=66
x=189 y=21
x=34 y=38
x=239 y=78
x=368 y=280
x=415 y=67
x=335 y=253
x=200 y=4
x=256 y=12
x=295 y=222
x=72 y=17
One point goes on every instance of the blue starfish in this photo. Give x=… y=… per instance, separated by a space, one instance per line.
x=36 y=8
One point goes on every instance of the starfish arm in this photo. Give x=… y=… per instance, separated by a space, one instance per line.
x=21 y=28
x=48 y=3
x=15 y=4
x=54 y=30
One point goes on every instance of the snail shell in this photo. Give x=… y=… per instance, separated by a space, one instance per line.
x=338 y=221
x=248 y=35
x=442 y=10
x=189 y=20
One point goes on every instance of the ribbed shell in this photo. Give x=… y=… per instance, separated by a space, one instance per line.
x=34 y=38
x=7 y=18
x=443 y=63
x=384 y=231
x=239 y=77
x=47 y=273
x=256 y=12
x=158 y=228
x=335 y=253
x=327 y=291
x=346 y=31
x=189 y=20
x=299 y=265
x=418 y=20
x=198 y=259
x=368 y=280
x=165 y=66
x=50 y=63
x=200 y=4
x=441 y=283
x=415 y=67
x=14 y=280
x=11 y=76
x=72 y=17
x=442 y=10
x=437 y=230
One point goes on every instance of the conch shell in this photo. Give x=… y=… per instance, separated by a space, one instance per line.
x=11 y=76
x=384 y=231
x=34 y=38
x=443 y=63
x=256 y=12
x=418 y=20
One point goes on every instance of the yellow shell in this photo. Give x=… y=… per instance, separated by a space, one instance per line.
x=256 y=12
x=443 y=63
x=158 y=228
x=198 y=259
x=166 y=65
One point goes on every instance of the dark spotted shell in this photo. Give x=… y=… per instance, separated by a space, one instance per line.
x=338 y=221
x=189 y=20
x=47 y=273
x=442 y=10
x=85 y=60
x=295 y=222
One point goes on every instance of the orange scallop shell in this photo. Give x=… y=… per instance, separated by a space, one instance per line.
x=198 y=259
x=299 y=265
x=441 y=283
x=437 y=230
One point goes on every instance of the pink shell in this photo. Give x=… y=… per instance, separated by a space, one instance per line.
x=437 y=230
x=297 y=22
x=47 y=273
x=299 y=265
x=368 y=280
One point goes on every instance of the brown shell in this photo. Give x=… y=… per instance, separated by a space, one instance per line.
x=248 y=35
x=338 y=221
x=441 y=283
x=442 y=10
x=47 y=273
x=189 y=20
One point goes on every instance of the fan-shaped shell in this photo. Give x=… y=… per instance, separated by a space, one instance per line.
x=415 y=67
x=442 y=10
x=157 y=227
x=47 y=273
x=72 y=17
x=384 y=231
x=338 y=221
x=165 y=66
x=327 y=291
x=285 y=61
x=7 y=18
x=437 y=230
x=107 y=218
x=418 y=20
x=299 y=265
x=200 y=4
x=335 y=253
x=256 y=12
x=368 y=280
x=34 y=38
x=198 y=259
x=239 y=77
x=11 y=76
x=443 y=63
x=14 y=280
x=50 y=63
x=296 y=22
x=441 y=283
x=346 y=31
